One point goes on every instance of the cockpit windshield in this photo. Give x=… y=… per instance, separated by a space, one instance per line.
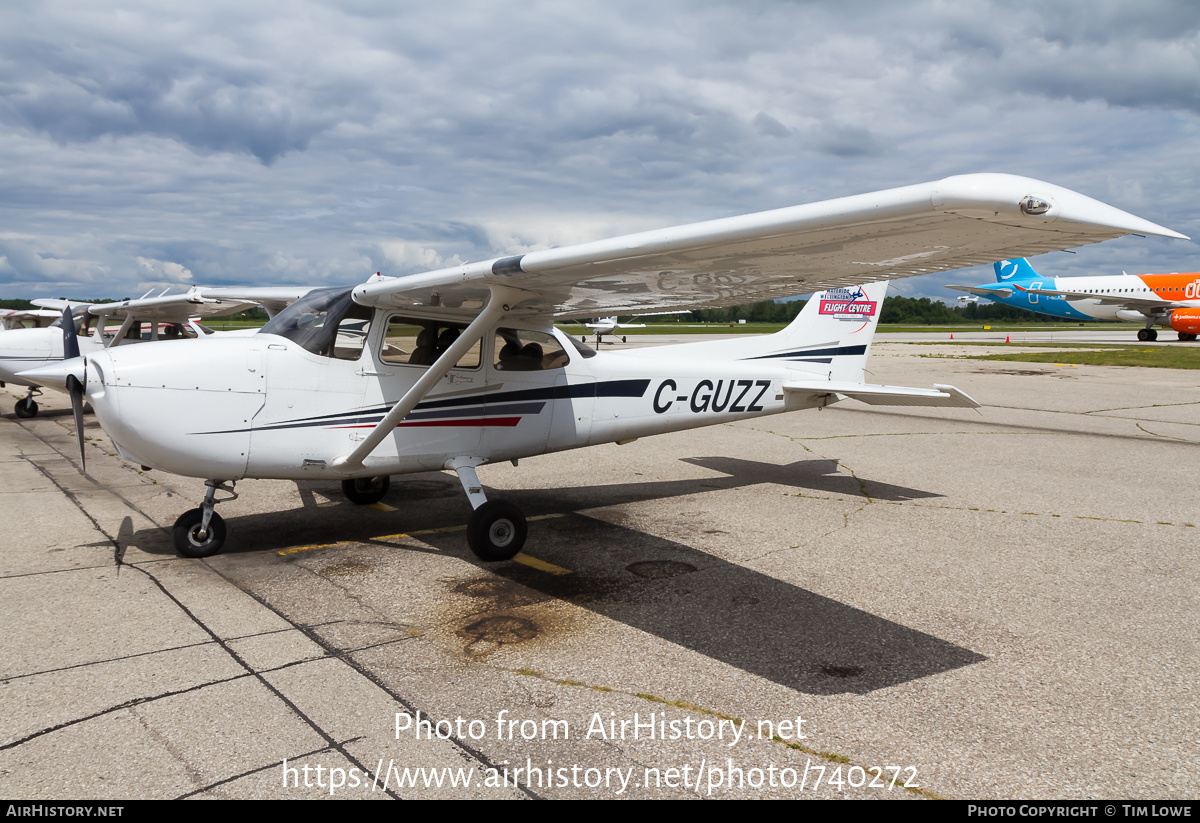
x=313 y=322
x=81 y=317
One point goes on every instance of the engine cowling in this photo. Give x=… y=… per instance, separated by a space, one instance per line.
x=1186 y=321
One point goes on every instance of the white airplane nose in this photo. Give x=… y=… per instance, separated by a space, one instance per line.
x=55 y=374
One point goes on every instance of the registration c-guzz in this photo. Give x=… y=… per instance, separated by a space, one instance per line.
x=732 y=396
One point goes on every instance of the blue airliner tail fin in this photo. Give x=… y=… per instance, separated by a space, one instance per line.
x=1018 y=270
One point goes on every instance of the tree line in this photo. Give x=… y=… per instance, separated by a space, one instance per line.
x=914 y=311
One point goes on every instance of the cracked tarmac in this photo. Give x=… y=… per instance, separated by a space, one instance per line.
x=1002 y=601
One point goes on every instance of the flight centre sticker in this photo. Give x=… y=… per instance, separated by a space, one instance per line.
x=847 y=303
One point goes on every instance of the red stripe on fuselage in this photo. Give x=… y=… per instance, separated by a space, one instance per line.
x=479 y=421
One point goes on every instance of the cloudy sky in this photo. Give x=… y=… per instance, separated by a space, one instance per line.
x=154 y=144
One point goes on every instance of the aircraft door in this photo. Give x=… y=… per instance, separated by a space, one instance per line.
x=1033 y=297
x=523 y=378
x=447 y=420
x=574 y=404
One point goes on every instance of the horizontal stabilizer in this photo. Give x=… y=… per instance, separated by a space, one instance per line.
x=982 y=292
x=939 y=395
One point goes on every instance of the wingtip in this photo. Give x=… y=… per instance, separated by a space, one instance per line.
x=1030 y=199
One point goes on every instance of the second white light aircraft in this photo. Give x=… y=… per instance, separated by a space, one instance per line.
x=168 y=317
x=460 y=367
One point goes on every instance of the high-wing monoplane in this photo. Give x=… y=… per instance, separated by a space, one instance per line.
x=164 y=317
x=608 y=325
x=456 y=368
x=1171 y=301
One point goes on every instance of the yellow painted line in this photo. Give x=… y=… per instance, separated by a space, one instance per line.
x=540 y=565
x=297 y=549
x=442 y=530
x=384 y=507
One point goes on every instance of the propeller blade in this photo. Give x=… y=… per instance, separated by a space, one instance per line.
x=75 y=387
x=70 y=335
x=74 y=384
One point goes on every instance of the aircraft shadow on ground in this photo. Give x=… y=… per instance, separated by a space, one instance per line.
x=759 y=624
x=436 y=500
x=749 y=620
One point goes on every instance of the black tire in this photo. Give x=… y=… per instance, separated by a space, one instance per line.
x=496 y=531
x=184 y=533
x=364 y=491
x=1153 y=335
x=26 y=407
x=1143 y=335
x=1185 y=336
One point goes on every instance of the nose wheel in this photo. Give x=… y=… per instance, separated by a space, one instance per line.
x=26 y=407
x=192 y=539
x=201 y=532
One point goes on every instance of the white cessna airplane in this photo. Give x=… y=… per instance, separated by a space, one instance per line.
x=608 y=325
x=456 y=368
x=168 y=317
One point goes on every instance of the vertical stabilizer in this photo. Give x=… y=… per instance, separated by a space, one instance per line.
x=831 y=336
x=1017 y=270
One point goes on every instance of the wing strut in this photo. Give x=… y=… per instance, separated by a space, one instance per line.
x=502 y=299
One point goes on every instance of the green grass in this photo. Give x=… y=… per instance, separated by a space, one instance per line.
x=1155 y=357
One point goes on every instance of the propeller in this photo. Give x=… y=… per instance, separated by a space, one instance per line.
x=75 y=386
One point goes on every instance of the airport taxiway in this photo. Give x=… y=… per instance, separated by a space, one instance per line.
x=997 y=603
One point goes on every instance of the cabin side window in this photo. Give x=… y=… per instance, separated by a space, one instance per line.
x=523 y=350
x=413 y=341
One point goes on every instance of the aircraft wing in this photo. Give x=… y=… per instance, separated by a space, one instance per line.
x=20 y=314
x=56 y=305
x=199 y=302
x=959 y=221
x=992 y=293
x=1142 y=304
x=272 y=298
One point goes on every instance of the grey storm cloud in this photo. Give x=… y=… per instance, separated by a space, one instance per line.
x=319 y=141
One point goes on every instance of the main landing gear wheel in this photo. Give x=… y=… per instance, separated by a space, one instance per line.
x=1147 y=334
x=186 y=534
x=1185 y=336
x=496 y=531
x=366 y=490
x=26 y=407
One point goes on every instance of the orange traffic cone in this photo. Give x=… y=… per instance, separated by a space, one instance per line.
x=1006 y=338
x=951 y=337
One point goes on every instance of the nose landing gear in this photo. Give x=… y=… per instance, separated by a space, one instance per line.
x=201 y=532
x=26 y=407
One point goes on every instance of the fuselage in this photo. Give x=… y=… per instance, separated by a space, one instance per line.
x=22 y=349
x=266 y=407
x=28 y=348
x=1167 y=289
x=287 y=405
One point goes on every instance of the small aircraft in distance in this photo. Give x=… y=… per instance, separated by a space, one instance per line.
x=168 y=317
x=607 y=325
x=1168 y=300
x=460 y=367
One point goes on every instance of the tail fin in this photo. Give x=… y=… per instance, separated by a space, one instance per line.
x=832 y=334
x=1018 y=270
